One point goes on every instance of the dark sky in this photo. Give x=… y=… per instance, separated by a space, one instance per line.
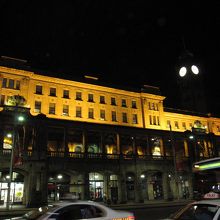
x=124 y=42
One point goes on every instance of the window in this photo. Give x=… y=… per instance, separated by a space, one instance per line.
x=123 y=103
x=158 y=120
x=102 y=99
x=78 y=111
x=4 y=83
x=102 y=114
x=149 y=105
x=37 y=106
x=154 y=120
x=66 y=94
x=198 y=211
x=52 y=91
x=176 y=124
x=150 y=119
x=134 y=119
x=190 y=125
x=133 y=104
x=113 y=101
x=11 y=84
x=66 y=110
x=38 y=89
x=91 y=113
x=52 y=108
x=17 y=86
x=124 y=117
x=2 y=101
x=90 y=98
x=153 y=106
x=184 y=125
x=114 y=117
x=78 y=96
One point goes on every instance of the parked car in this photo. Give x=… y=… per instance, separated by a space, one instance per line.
x=206 y=209
x=67 y=210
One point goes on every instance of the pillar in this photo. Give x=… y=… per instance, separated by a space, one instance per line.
x=122 y=195
x=86 y=186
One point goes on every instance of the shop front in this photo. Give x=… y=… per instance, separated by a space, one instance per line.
x=17 y=188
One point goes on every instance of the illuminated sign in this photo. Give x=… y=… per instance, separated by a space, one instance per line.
x=207 y=166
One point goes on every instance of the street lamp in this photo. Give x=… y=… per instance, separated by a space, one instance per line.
x=20 y=118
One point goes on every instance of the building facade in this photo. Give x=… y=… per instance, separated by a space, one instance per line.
x=92 y=141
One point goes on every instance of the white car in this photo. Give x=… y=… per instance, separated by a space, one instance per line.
x=77 y=210
x=199 y=210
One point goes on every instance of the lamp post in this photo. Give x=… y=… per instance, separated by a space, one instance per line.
x=20 y=118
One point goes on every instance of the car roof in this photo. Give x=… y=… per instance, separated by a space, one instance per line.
x=208 y=201
x=80 y=202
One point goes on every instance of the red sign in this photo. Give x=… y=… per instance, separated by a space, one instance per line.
x=211 y=195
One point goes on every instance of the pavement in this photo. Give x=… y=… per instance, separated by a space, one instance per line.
x=21 y=209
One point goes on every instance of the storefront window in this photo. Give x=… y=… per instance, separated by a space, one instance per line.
x=96 y=183
x=17 y=188
x=156 y=180
x=8 y=138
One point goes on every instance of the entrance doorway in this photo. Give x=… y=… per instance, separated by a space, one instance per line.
x=130 y=187
x=96 y=183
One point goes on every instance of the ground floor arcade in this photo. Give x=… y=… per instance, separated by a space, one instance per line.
x=111 y=186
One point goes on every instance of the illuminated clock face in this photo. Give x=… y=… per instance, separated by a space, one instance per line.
x=182 y=71
x=195 y=69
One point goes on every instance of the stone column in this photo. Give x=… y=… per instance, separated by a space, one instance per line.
x=1 y=140
x=166 y=187
x=122 y=194
x=150 y=187
x=31 y=187
x=35 y=183
x=137 y=185
x=86 y=186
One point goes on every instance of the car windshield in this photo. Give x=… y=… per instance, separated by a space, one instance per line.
x=197 y=211
x=34 y=214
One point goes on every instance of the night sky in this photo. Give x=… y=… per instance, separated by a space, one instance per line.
x=123 y=42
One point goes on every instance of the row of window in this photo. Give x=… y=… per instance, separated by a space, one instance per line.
x=78 y=112
x=102 y=99
x=153 y=106
x=176 y=125
x=154 y=120
x=10 y=83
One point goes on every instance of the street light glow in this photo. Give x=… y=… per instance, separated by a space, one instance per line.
x=59 y=176
x=21 y=118
x=9 y=135
x=182 y=71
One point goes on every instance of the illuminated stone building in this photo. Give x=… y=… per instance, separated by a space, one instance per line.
x=94 y=141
